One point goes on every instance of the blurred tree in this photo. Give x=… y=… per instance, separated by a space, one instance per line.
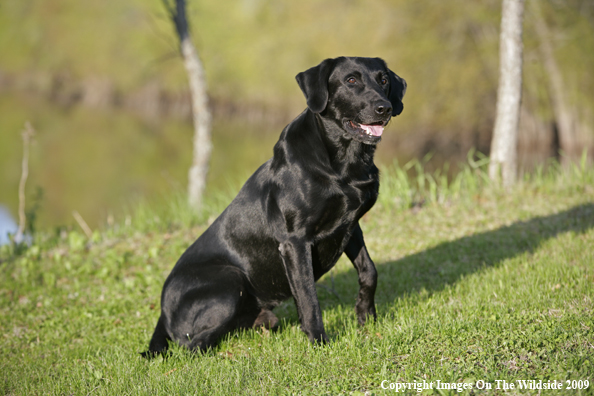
x=27 y=135
x=503 y=163
x=565 y=118
x=202 y=146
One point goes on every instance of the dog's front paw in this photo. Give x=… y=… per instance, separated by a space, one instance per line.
x=317 y=336
x=319 y=340
x=364 y=313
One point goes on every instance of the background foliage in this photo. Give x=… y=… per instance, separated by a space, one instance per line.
x=251 y=49
x=120 y=61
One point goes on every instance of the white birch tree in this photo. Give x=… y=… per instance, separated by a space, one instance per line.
x=202 y=145
x=503 y=164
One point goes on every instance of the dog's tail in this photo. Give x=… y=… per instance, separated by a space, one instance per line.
x=159 y=342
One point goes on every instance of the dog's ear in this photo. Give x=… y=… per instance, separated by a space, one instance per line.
x=314 y=84
x=397 y=91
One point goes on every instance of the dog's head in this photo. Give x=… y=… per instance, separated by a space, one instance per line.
x=359 y=94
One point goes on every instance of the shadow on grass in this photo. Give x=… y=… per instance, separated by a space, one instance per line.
x=447 y=263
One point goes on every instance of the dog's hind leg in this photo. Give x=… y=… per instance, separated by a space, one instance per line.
x=159 y=342
x=266 y=318
x=210 y=309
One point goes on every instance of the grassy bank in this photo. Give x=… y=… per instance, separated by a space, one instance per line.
x=475 y=284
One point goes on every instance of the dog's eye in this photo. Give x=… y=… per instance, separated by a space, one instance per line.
x=351 y=80
x=384 y=81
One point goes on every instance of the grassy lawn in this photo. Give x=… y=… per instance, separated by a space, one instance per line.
x=476 y=285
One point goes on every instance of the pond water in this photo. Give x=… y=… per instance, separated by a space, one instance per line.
x=8 y=226
x=97 y=162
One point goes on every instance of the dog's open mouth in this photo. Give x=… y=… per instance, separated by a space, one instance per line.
x=368 y=132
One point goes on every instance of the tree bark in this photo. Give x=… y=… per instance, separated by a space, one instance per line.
x=27 y=135
x=503 y=164
x=202 y=145
x=564 y=117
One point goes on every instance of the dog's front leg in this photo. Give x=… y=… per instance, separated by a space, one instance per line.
x=297 y=260
x=357 y=253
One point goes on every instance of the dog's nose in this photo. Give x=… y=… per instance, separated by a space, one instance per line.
x=383 y=109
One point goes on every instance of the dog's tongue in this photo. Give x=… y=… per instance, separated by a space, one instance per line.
x=375 y=130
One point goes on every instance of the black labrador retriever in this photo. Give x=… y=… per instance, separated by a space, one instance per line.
x=293 y=218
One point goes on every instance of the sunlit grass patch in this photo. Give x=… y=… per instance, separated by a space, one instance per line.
x=485 y=285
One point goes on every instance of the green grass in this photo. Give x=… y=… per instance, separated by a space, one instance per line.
x=475 y=283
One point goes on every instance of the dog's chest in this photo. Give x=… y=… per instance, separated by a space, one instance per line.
x=360 y=194
x=357 y=197
x=340 y=216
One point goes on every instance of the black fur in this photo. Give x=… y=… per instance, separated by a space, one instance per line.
x=292 y=219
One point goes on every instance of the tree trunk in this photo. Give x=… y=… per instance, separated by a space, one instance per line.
x=503 y=164
x=202 y=145
x=27 y=135
x=564 y=117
